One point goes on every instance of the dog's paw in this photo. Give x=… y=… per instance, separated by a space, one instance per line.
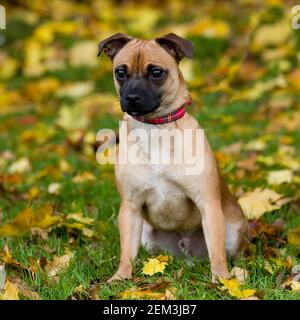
x=119 y=277
x=216 y=277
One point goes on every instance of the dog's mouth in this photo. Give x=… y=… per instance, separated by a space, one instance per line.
x=140 y=112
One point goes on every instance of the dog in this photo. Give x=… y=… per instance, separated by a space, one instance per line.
x=162 y=207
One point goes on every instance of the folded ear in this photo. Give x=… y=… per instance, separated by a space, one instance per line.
x=176 y=46
x=113 y=44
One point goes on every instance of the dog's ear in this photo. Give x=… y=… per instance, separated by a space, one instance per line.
x=176 y=46
x=113 y=44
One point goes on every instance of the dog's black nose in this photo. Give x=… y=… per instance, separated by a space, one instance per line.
x=133 y=98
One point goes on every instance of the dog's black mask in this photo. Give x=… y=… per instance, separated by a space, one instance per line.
x=139 y=97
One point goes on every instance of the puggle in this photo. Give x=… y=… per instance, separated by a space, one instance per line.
x=162 y=207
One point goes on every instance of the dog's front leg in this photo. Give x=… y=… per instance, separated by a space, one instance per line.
x=214 y=228
x=130 y=228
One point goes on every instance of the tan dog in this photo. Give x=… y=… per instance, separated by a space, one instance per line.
x=162 y=207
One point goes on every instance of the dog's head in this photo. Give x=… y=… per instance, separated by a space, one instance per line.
x=146 y=73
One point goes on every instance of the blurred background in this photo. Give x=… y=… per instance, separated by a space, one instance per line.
x=55 y=94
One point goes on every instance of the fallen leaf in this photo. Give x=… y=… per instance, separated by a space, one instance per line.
x=85 y=176
x=163 y=258
x=256 y=145
x=58 y=264
x=76 y=90
x=54 y=188
x=240 y=274
x=42 y=217
x=80 y=218
x=295 y=285
x=20 y=166
x=280 y=176
x=259 y=201
x=7 y=258
x=154 y=266
x=233 y=287
x=11 y=292
x=24 y=290
x=33 y=193
x=72 y=118
x=271 y=35
x=137 y=293
x=294 y=236
x=84 y=53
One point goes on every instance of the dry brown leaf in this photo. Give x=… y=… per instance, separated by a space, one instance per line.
x=59 y=264
x=240 y=274
x=7 y=258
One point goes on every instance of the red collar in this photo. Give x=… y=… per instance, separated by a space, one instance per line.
x=177 y=114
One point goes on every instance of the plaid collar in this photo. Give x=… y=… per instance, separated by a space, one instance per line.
x=177 y=114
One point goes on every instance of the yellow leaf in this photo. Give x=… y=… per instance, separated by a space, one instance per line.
x=84 y=53
x=162 y=258
x=54 y=188
x=256 y=145
x=32 y=193
x=80 y=218
x=11 y=292
x=24 y=290
x=88 y=232
x=72 y=118
x=295 y=285
x=65 y=166
x=29 y=218
x=85 y=176
x=260 y=201
x=271 y=35
x=233 y=287
x=22 y=165
x=280 y=176
x=294 y=236
x=135 y=293
x=210 y=28
x=154 y=266
x=76 y=90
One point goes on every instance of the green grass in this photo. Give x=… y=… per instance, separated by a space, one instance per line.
x=94 y=261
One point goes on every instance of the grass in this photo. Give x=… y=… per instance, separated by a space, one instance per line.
x=95 y=261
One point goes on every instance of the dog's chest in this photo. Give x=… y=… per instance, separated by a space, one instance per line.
x=166 y=207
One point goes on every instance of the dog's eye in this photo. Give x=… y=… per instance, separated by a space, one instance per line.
x=120 y=74
x=157 y=73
